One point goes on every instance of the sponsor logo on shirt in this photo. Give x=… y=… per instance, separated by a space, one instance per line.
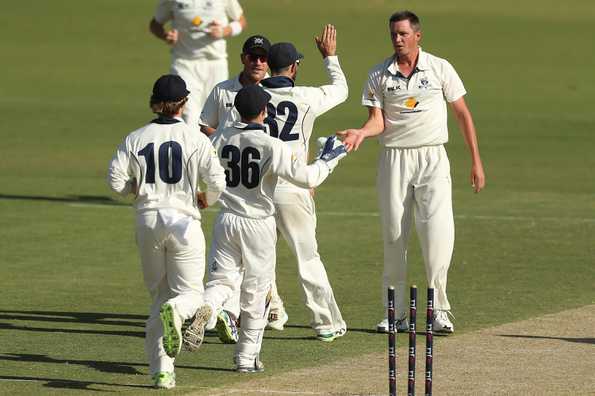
x=393 y=89
x=424 y=83
x=371 y=96
x=228 y=105
x=197 y=21
x=181 y=5
x=411 y=104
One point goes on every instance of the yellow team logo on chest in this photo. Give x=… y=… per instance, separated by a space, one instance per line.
x=411 y=102
x=197 y=21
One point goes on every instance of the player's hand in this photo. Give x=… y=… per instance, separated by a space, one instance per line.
x=478 y=178
x=352 y=138
x=215 y=30
x=327 y=42
x=171 y=37
x=201 y=199
x=134 y=187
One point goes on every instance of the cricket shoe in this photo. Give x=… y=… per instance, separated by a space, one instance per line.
x=227 y=329
x=254 y=366
x=442 y=323
x=277 y=319
x=330 y=336
x=164 y=380
x=401 y=326
x=172 y=330
x=195 y=332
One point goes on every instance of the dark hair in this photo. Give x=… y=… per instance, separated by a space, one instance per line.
x=406 y=15
x=280 y=70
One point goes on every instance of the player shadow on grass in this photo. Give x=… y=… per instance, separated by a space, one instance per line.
x=568 y=339
x=81 y=199
x=69 y=384
x=103 y=366
x=76 y=317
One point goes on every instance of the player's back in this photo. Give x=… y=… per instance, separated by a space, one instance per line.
x=246 y=153
x=167 y=158
x=253 y=161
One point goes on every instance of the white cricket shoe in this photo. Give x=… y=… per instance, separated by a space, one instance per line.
x=401 y=325
x=254 y=366
x=164 y=380
x=277 y=319
x=442 y=323
x=195 y=333
x=330 y=336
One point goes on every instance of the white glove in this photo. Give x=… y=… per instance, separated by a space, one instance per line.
x=330 y=150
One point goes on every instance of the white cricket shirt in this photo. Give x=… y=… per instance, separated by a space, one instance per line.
x=167 y=159
x=218 y=110
x=415 y=111
x=253 y=161
x=292 y=110
x=191 y=18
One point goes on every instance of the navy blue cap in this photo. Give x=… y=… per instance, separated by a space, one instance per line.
x=169 y=88
x=258 y=45
x=282 y=55
x=251 y=100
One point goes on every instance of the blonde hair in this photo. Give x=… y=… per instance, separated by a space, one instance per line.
x=168 y=108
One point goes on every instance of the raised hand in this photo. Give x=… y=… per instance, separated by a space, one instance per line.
x=327 y=41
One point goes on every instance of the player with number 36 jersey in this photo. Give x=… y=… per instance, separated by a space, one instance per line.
x=244 y=234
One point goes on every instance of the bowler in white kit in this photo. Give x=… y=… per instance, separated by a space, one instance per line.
x=406 y=97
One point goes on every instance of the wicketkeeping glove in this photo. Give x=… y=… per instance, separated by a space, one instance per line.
x=330 y=150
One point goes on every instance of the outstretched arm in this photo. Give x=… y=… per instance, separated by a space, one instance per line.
x=374 y=126
x=465 y=121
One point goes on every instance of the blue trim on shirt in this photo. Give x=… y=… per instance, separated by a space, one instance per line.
x=278 y=82
x=164 y=120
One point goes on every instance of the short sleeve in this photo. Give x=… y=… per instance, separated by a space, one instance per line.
x=452 y=86
x=209 y=116
x=164 y=11
x=233 y=10
x=372 y=95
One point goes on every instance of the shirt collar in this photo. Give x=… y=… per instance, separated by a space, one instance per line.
x=422 y=64
x=249 y=127
x=278 y=82
x=166 y=120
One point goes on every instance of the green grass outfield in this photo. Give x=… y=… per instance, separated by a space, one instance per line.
x=75 y=78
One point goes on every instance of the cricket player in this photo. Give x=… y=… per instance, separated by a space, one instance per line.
x=406 y=97
x=218 y=111
x=291 y=114
x=162 y=164
x=244 y=234
x=197 y=37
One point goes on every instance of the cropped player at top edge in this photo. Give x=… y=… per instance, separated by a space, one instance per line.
x=197 y=37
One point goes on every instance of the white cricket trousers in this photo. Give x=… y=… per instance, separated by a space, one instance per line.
x=416 y=180
x=296 y=220
x=172 y=252
x=245 y=245
x=200 y=76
